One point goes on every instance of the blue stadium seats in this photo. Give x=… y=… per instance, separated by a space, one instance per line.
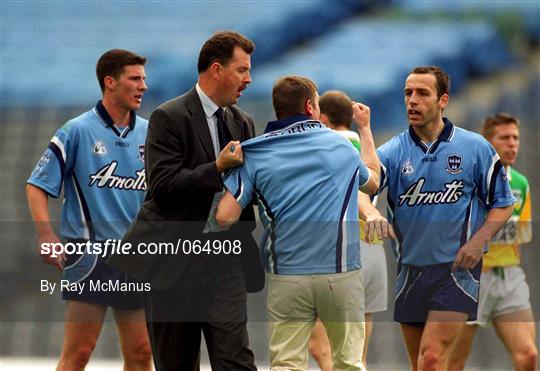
x=369 y=59
x=49 y=49
x=528 y=10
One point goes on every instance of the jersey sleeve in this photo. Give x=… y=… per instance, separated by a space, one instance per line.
x=363 y=174
x=384 y=156
x=50 y=170
x=491 y=178
x=238 y=183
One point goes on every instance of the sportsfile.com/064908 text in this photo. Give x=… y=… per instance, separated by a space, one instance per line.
x=112 y=246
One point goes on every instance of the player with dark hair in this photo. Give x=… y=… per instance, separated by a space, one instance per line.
x=504 y=293
x=448 y=194
x=99 y=159
x=306 y=178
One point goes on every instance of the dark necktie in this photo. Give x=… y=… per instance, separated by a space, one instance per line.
x=224 y=135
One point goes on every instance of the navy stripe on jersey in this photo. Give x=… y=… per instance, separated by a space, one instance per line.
x=339 y=243
x=238 y=192
x=493 y=181
x=272 y=231
x=466 y=222
x=383 y=179
x=433 y=147
x=85 y=209
x=58 y=153
x=125 y=132
x=446 y=135
x=399 y=248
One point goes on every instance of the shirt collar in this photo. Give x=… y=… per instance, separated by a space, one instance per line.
x=446 y=134
x=283 y=123
x=208 y=104
x=106 y=119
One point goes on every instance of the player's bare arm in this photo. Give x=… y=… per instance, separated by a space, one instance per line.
x=377 y=227
x=361 y=114
x=470 y=254
x=228 y=211
x=38 y=202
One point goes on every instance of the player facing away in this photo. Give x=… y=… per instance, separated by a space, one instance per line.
x=99 y=159
x=448 y=194
x=337 y=113
x=504 y=292
x=306 y=178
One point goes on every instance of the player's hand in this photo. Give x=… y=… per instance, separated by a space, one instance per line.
x=377 y=227
x=468 y=255
x=361 y=114
x=59 y=260
x=231 y=156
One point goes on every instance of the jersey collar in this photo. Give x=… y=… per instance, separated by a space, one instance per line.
x=446 y=136
x=283 y=123
x=107 y=121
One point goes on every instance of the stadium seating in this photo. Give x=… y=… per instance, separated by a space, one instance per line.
x=370 y=59
x=47 y=45
x=527 y=12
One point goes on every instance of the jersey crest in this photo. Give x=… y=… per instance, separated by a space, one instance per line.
x=141 y=153
x=453 y=163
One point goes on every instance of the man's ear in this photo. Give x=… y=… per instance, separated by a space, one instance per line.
x=110 y=82
x=215 y=70
x=308 y=108
x=443 y=101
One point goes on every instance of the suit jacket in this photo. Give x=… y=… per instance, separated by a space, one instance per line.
x=182 y=179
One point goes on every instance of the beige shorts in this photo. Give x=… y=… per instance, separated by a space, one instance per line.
x=500 y=295
x=374 y=277
x=294 y=303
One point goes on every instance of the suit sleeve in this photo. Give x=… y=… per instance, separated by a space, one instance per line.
x=167 y=174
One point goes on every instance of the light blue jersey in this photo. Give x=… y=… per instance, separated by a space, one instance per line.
x=438 y=194
x=102 y=169
x=306 y=178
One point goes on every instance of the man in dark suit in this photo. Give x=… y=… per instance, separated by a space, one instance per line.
x=192 y=140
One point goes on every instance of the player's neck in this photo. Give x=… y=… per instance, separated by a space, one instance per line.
x=430 y=132
x=120 y=116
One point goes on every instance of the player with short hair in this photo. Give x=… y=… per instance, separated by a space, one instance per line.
x=99 y=159
x=448 y=194
x=306 y=178
x=337 y=114
x=504 y=293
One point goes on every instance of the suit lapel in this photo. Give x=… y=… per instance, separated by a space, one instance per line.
x=200 y=122
x=233 y=125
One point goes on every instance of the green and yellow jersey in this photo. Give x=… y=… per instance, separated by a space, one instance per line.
x=504 y=247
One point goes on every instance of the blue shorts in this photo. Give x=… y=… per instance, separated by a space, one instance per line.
x=103 y=284
x=434 y=287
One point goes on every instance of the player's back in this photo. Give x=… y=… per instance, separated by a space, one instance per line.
x=307 y=181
